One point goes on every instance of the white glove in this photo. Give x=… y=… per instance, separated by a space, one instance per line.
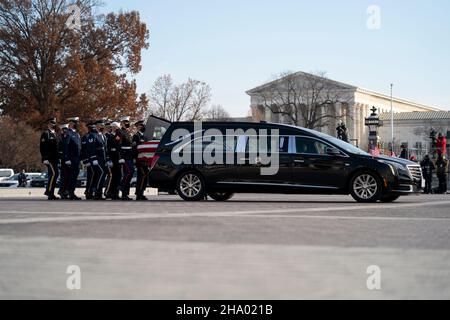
x=46 y=162
x=110 y=164
x=121 y=161
x=87 y=165
x=68 y=163
x=95 y=163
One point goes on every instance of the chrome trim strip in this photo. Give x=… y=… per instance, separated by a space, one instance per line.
x=411 y=189
x=280 y=185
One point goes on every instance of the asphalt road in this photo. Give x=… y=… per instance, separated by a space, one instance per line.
x=254 y=247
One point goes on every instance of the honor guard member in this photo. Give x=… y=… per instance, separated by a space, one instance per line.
x=89 y=193
x=109 y=164
x=72 y=155
x=64 y=169
x=126 y=157
x=50 y=157
x=98 y=157
x=142 y=167
x=114 y=169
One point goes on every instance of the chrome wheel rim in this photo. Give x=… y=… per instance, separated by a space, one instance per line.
x=190 y=185
x=365 y=186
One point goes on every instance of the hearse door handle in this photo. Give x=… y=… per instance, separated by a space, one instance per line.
x=299 y=161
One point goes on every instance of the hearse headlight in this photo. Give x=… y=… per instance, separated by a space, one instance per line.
x=395 y=167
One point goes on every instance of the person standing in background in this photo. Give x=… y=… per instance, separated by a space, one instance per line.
x=22 y=180
x=441 y=145
x=428 y=169
x=441 y=170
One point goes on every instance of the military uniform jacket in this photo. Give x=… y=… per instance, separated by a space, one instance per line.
x=84 y=152
x=71 y=146
x=126 y=145
x=96 y=147
x=113 y=147
x=49 y=146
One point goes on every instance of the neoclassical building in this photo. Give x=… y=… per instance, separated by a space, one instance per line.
x=352 y=108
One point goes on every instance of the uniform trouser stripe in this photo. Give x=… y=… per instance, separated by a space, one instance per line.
x=100 y=179
x=51 y=184
x=92 y=180
x=108 y=188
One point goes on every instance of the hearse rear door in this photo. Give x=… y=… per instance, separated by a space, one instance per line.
x=250 y=166
x=156 y=127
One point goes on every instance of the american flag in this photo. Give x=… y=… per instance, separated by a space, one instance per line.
x=146 y=152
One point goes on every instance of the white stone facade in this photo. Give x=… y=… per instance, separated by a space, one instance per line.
x=413 y=129
x=358 y=103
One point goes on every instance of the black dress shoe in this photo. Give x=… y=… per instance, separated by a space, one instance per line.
x=126 y=198
x=53 y=198
x=75 y=198
x=141 y=198
x=99 y=198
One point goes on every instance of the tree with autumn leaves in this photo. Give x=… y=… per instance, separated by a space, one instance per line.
x=59 y=59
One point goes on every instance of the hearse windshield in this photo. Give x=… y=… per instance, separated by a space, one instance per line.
x=341 y=144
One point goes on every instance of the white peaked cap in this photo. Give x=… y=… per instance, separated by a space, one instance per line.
x=75 y=119
x=115 y=125
x=64 y=126
x=125 y=119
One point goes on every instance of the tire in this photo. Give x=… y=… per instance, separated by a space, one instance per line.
x=221 y=196
x=366 y=187
x=191 y=186
x=389 y=198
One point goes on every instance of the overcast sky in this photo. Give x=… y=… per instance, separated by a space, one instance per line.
x=235 y=45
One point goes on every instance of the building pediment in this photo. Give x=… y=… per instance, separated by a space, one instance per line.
x=301 y=77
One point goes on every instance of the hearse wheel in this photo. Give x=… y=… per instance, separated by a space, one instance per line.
x=366 y=187
x=221 y=196
x=389 y=198
x=191 y=186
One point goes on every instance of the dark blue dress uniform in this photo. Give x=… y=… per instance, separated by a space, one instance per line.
x=96 y=150
x=50 y=157
x=89 y=193
x=72 y=160
x=126 y=161
x=64 y=171
x=114 y=171
x=142 y=169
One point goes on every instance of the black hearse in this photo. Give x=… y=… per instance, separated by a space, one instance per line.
x=308 y=162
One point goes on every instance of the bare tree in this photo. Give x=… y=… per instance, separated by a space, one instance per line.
x=309 y=101
x=217 y=113
x=186 y=101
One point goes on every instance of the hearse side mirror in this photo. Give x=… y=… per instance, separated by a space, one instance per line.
x=333 y=152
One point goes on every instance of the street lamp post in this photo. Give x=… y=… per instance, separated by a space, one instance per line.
x=392 y=119
x=374 y=123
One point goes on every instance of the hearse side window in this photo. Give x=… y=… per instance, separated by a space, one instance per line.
x=217 y=145
x=306 y=145
x=251 y=144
